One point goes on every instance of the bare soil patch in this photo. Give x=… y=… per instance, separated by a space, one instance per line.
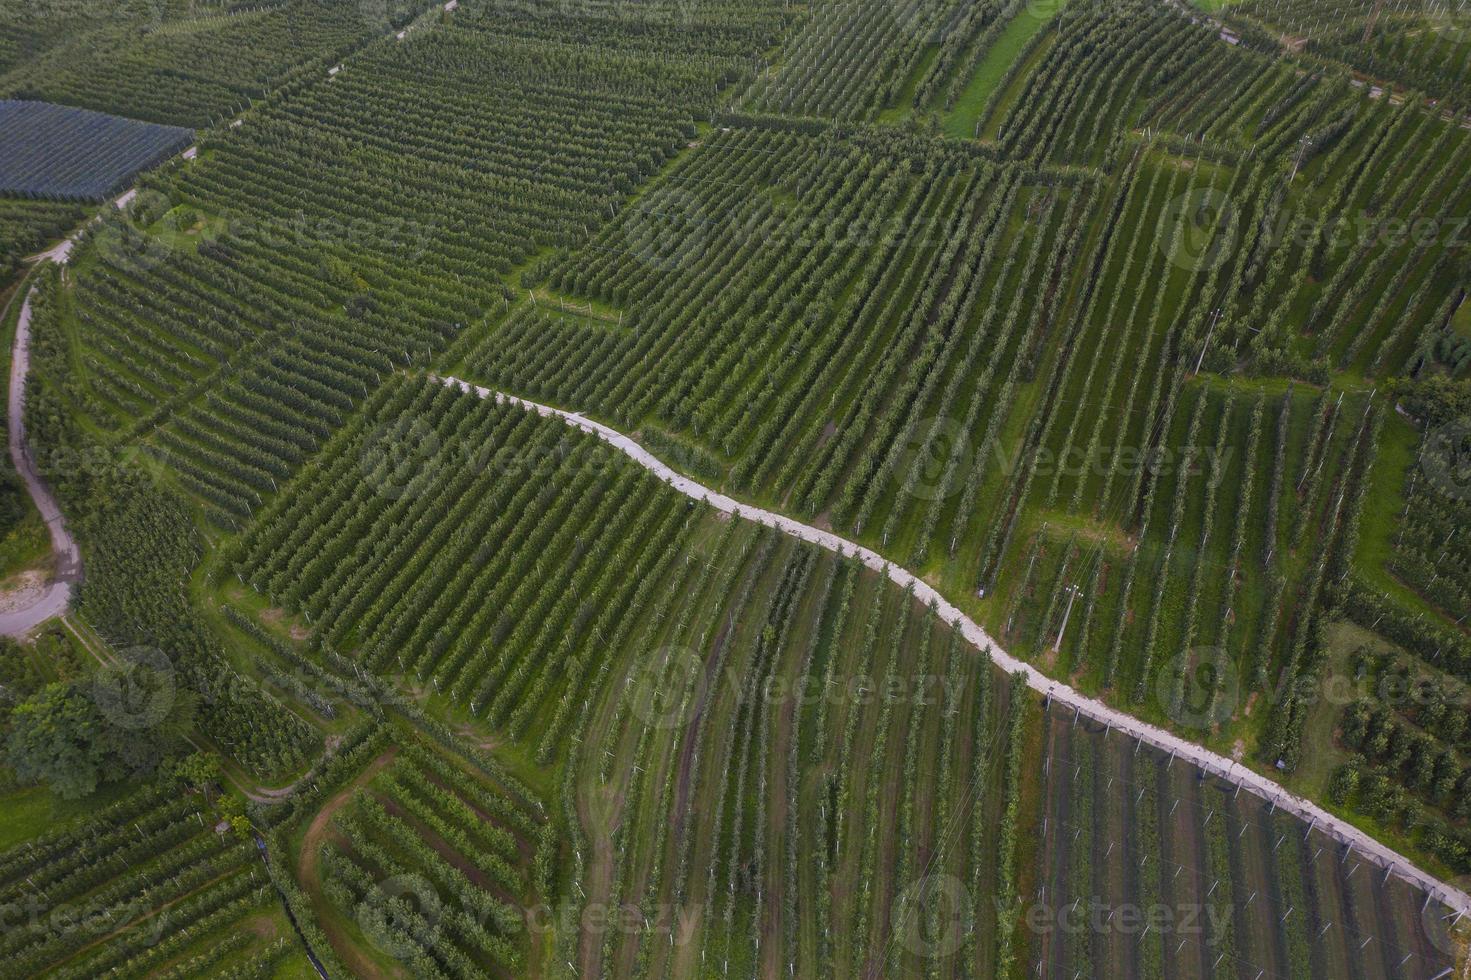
x=22 y=589
x=308 y=871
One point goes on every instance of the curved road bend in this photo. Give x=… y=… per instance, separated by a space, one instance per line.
x=55 y=598
x=1217 y=765
x=57 y=594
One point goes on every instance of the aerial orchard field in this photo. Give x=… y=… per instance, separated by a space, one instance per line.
x=737 y=489
x=156 y=884
x=755 y=641
x=29 y=226
x=1423 y=45
x=186 y=62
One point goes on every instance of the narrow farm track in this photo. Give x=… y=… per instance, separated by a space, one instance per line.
x=1217 y=765
x=54 y=599
x=61 y=252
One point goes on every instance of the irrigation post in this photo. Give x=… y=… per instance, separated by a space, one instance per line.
x=1072 y=597
x=1216 y=318
x=1302 y=148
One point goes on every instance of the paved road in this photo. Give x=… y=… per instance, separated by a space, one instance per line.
x=1218 y=765
x=57 y=595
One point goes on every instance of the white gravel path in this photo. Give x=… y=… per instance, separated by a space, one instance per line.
x=1218 y=765
x=54 y=599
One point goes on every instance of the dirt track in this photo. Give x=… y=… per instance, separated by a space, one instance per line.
x=54 y=598
x=308 y=875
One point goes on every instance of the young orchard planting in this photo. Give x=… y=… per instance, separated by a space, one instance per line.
x=156 y=884
x=185 y=62
x=1196 y=879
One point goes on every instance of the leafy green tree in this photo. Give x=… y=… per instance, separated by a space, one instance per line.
x=54 y=737
x=61 y=736
x=1344 y=784
x=1438 y=400
x=200 y=770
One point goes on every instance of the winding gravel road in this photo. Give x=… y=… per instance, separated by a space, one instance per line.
x=55 y=598
x=1129 y=726
x=57 y=594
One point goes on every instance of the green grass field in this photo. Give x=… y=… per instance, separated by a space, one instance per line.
x=963 y=121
